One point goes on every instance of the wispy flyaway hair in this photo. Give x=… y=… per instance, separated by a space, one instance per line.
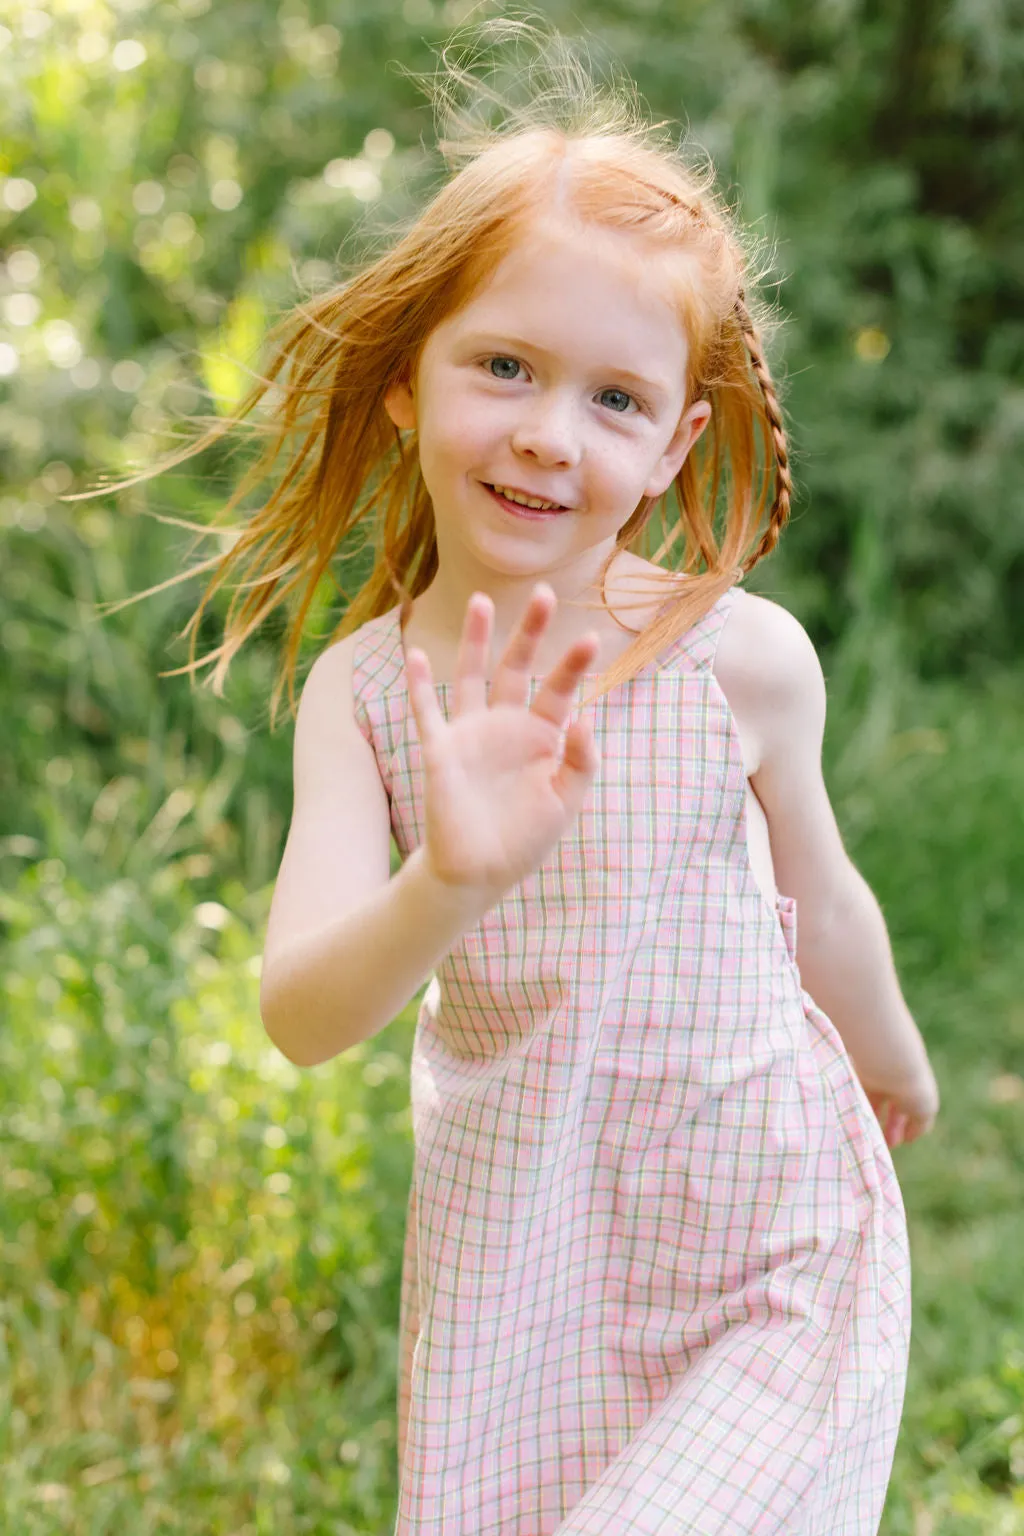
x=540 y=138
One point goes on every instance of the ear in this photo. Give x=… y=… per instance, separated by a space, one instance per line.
x=691 y=425
x=400 y=404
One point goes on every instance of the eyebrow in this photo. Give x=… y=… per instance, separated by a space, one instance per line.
x=657 y=388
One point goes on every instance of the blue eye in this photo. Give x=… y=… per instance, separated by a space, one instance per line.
x=503 y=363
x=617 y=395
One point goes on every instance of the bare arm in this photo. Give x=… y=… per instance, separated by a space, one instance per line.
x=346 y=946
x=770 y=672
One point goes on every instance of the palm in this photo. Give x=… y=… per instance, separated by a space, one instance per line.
x=500 y=785
x=491 y=804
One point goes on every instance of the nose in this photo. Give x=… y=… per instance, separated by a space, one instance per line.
x=548 y=431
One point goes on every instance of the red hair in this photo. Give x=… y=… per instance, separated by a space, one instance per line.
x=332 y=358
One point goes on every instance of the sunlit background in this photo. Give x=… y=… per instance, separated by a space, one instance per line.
x=200 y=1244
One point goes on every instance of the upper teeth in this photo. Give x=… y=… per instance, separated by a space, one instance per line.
x=525 y=501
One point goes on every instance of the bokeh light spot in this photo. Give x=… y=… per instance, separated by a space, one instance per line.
x=62 y=344
x=179 y=228
x=127 y=375
x=871 y=344
x=225 y=194
x=148 y=197
x=85 y=213
x=128 y=54
x=378 y=144
x=18 y=193
x=21 y=308
x=210 y=914
x=23 y=267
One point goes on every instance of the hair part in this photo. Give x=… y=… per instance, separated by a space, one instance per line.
x=347 y=469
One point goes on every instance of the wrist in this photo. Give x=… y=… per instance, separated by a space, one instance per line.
x=464 y=904
x=900 y=1058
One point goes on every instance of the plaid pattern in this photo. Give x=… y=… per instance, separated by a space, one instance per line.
x=656 y=1276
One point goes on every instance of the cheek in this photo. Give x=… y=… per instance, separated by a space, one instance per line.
x=449 y=454
x=622 y=468
x=463 y=427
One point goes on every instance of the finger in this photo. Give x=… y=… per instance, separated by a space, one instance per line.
x=474 y=650
x=511 y=683
x=897 y=1129
x=580 y=761
x=430 y=722
x=555 y=695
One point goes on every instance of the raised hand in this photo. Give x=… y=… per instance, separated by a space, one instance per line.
x=501 y=784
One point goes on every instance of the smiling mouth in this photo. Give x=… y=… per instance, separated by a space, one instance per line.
x=527 y=506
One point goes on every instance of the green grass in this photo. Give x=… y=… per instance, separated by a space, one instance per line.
x=202 y=1244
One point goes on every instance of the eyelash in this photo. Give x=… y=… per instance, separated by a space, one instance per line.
x=611 y=390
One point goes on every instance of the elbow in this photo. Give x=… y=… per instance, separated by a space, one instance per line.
x=287 y=1049
x=827 y=920
x=283 y=1016
x=279 y=1020
x=279 y=1036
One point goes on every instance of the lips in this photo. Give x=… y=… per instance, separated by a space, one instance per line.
x=517 y=509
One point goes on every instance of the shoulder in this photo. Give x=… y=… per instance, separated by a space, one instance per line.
x=769 y=671
x=328 y=731
x=330 y=676
x=764 y=646
x=327 y=706
x=325 y=715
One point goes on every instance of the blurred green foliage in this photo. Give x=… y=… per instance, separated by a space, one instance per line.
x=201 y=1245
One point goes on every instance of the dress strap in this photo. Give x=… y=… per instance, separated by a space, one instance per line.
x=377 y=661
x=377 y=652
x=700 y=642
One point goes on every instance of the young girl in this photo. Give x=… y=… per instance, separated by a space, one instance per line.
x=656 y=1275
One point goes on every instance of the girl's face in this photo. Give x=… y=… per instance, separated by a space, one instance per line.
x=562 y=379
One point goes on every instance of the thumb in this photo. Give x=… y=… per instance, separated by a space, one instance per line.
x=580 y=760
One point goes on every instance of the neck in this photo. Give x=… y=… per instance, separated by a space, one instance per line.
x=442 y=608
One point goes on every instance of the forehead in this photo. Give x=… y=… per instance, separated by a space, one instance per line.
x=590 y=294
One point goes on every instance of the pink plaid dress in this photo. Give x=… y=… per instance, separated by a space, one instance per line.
x=656 y=1276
